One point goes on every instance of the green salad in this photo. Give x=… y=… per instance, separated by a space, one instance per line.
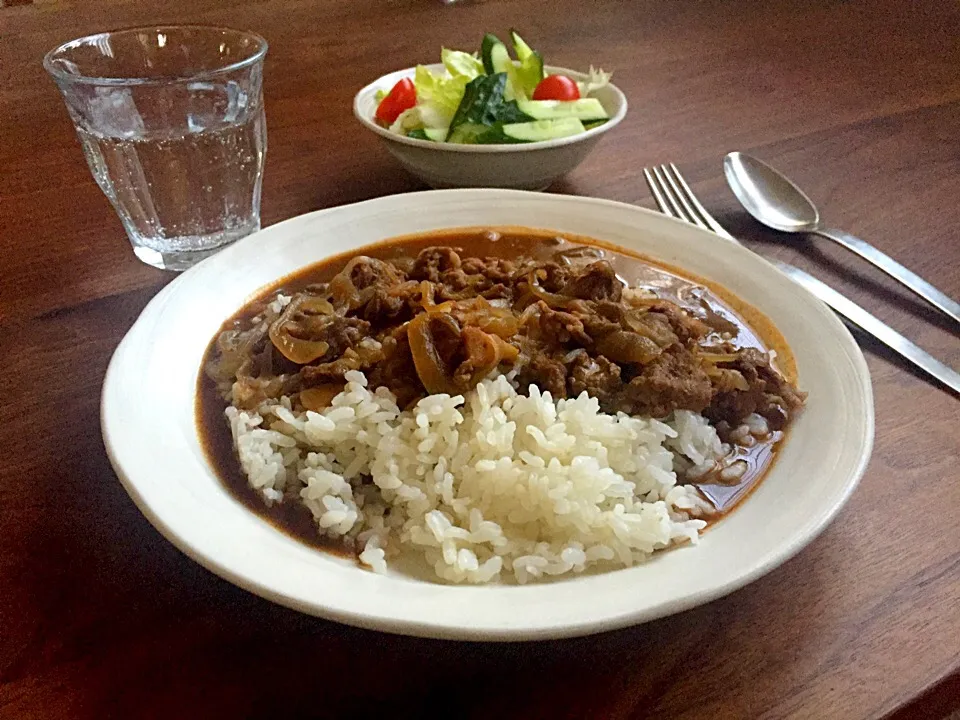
x=491 y=98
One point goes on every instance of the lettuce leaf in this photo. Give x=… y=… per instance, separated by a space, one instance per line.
x=406 y=121
x=419 y=117
x=596 y=79
x=461 y=64
x=437 y=95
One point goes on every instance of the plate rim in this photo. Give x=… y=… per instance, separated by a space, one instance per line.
x=505 y=632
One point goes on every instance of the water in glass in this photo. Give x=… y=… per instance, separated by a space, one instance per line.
x=190 y=193
x=179 y=151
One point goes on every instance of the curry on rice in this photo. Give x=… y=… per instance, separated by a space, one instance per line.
x=438 y=314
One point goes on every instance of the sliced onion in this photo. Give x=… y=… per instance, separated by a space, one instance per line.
x=580 y=253
x=663 y=336
x=319 y=397
x=431 y=368
x=287 y=331
x=343 y=292
x=551 y=299
x=479 y=312
x=294 y=349
x=727 y=378
x=627 y=347
x=485 y=352
x=718 y=358
x=427 y=302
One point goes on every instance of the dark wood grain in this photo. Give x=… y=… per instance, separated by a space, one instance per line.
x=858 y=101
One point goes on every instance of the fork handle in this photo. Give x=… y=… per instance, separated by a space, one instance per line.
x=895 y=270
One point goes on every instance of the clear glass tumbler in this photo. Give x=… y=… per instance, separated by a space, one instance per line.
x=172 y=124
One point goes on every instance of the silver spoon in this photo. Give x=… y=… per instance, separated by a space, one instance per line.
x=778 y=203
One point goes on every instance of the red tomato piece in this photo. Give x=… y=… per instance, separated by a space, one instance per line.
x=402 y=97
x=556 y=87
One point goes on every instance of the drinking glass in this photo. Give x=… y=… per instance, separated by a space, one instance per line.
x=172 y=124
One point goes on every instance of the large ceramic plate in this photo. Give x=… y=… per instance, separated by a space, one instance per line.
x=149 y=430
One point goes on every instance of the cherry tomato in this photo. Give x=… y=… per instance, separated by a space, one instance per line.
x=402 y=97
x=556 y=87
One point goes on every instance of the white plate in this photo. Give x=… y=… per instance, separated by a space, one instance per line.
x=148 y=426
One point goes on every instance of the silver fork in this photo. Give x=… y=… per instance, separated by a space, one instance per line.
x=675 y=198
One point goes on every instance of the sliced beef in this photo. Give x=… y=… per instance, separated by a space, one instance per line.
x=330 y=372
x=674 y=381
x=488 y=277
x=248 y=393
x=578 y=330
x=769 y=394
x=340 y=333
x=598 y=377
x=656 y=326
x=383 y=306
x=498 y=291
x=455 y=280
x=393 y=304
x=598 y=318
x=369 y=272
x=547 y=373
x=396 y=371
x=684 y=325
x=433 y=261
x=496 y=270
x=560 y=328
x=597 y=281
x=555 y=275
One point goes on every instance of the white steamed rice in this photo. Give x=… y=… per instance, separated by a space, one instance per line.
x=491 y=486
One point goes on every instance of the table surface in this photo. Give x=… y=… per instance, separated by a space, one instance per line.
x=858 y=101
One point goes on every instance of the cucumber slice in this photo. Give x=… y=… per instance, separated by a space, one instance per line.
x=434 y=134
x=530 y=67
x=522 y=50
x=496 y=59
x=585 y=109
x=494 y=54
x=530 y=73
x=500 y=58
x=468 y=133
x=543 y=129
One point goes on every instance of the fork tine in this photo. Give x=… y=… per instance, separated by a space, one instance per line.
x=654 y=186
x=690 y=214
x=686 y=194
x=676 y=208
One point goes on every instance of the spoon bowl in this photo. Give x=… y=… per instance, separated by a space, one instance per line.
x=770 y=197
x=779 y=204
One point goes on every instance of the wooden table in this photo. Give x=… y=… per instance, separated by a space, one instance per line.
x=859 y=102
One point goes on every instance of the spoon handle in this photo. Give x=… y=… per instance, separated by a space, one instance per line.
x=895 y=270
x=870 y=324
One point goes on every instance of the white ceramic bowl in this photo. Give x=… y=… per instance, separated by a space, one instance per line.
x=150 y=433
x=522 y=166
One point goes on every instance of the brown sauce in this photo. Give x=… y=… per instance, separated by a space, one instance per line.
x=294 y=519
x=753 y=329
